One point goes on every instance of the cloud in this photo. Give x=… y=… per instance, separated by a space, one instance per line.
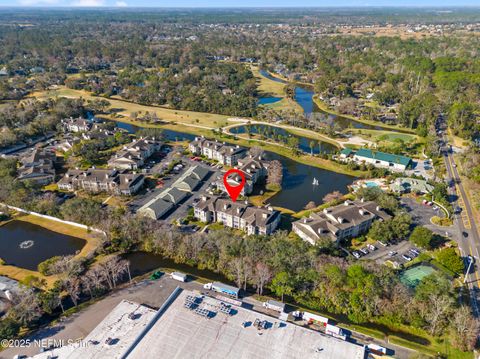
x=38 y=2
x=121 y=4
x=89 y=3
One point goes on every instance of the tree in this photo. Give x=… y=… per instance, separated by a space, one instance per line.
x=256 y=151
x=422 y=237
x=293 y=142
x=82 y=210
x=464 y=329
x=310 y=205
x=27 y=307
x=333 y=196
x=381 y=231
x=261 y=274
x=9 y=328
x=282 y=284
x=113 y=269
x=275 y=175
x=449 y=258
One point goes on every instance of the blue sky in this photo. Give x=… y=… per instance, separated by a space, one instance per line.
x=236 y=3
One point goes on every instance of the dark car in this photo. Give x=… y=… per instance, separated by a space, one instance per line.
x=465 y=234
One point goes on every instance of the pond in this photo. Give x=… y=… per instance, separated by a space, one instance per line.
x=169 y=134
x=144 y=262
x=266 y=74
x=25 y=245
x=297 y=184
x=304 y=97
x=268 y=100
x=281 y=135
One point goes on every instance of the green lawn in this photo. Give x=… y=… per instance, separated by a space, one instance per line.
x=126 y=108
x=383 y=135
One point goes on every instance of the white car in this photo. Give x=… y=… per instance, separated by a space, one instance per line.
x=407 y=258
x=364 y=250
x=391 y=253
x=371 y=247
x=356 y=254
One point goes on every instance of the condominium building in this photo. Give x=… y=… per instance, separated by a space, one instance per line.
x=347 y=220
x=102 y=180
x=215 y=150
x=240 y=215
x=76 y=124
x=38 y=167
x=254 y=169
x=134 y=154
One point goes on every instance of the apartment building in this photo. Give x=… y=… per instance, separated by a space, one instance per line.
x=133 y=155
x=38 y=167
x=254 y=170
x=76 y=124
x=239 y=215
x=102 y=180
x=215 y=150
x=347 y=220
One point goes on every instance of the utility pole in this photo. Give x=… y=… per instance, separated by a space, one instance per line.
x=468 y=269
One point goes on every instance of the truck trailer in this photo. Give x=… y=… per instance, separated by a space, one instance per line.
x=223 y=288
x=314 y=318
x=335 y=331
x=274 y=305
x=181 y=277
x=376 y=349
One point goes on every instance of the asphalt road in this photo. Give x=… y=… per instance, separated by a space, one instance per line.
x=465 y=221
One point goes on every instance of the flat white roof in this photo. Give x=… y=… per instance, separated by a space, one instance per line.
x=181 y=333
x=117 y=325
x=178 y=332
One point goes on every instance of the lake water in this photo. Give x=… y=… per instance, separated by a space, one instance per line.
x=144 y=262
x=297 y=185
x=304 y=97
x=268 y=100
x=46 y=244
x=281 y=135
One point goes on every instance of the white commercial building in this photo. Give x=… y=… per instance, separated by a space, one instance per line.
x=191 y=325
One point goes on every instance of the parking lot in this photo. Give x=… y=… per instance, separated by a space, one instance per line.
x=422 y=214
x=181 y=210
x=398 y=253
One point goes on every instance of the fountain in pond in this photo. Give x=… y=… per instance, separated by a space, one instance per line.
x=26 y=244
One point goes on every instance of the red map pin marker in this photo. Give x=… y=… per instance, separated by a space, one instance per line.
x=233 y=191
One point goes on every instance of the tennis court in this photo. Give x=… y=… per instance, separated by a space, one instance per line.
x=411 y=277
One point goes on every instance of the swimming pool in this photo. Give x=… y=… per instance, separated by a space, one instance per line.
x=371 y=184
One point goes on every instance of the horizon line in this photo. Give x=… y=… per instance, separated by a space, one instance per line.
x=110 y=7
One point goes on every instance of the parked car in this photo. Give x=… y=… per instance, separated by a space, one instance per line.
x=356 y=254
x=465 y=234
x=371 y=247
x=383 y=243
x=392 y=253
x=407 y=258
x=364 y=250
